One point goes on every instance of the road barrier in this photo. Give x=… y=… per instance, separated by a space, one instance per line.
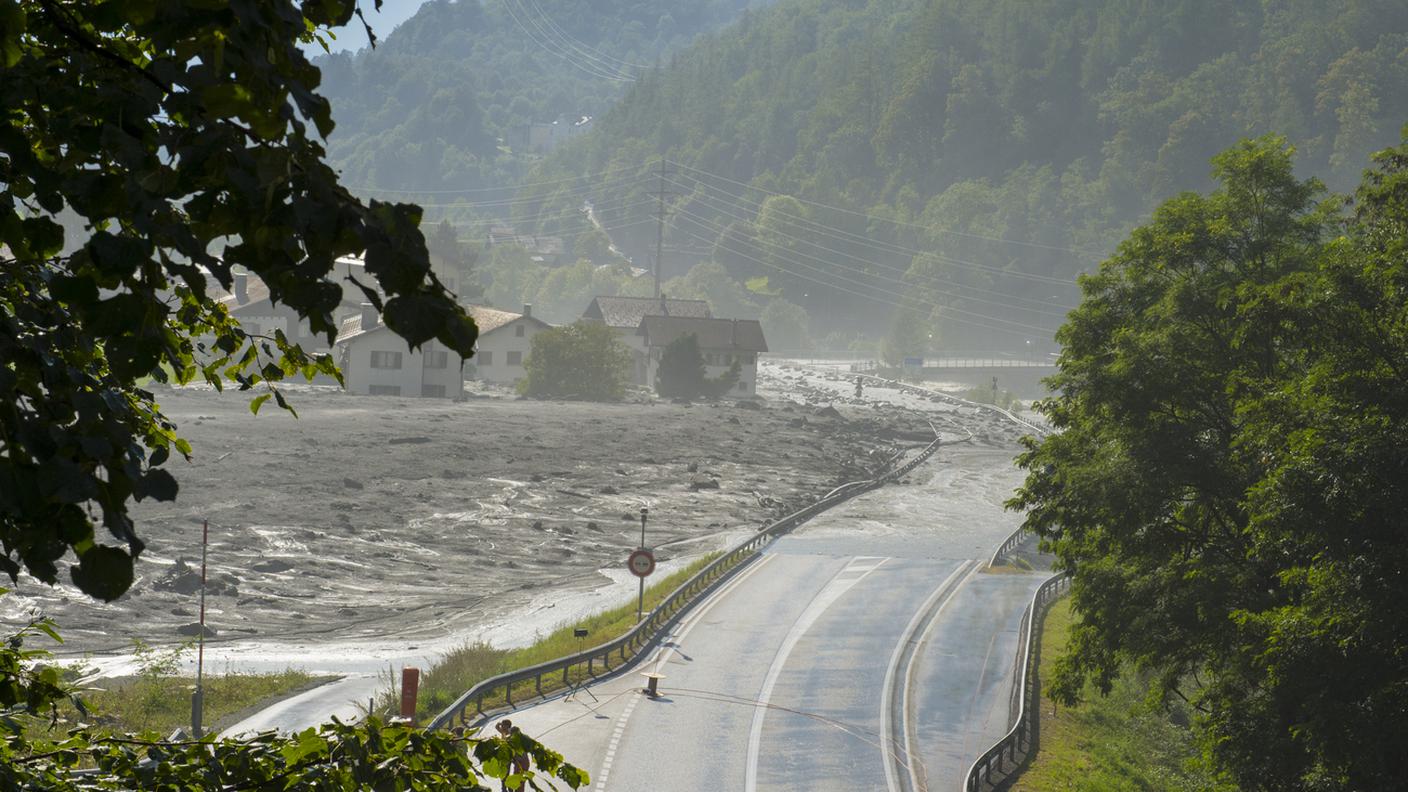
x=1014 y=540
x=1003 y=760
x=596 y=662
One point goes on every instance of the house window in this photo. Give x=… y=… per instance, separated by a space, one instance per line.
x=251 y=328
x=433 y=391
x=515 y=358
x=743 y=386
x=384 y=390
x=437 y=359
x=485 y=357
x=386 y=360
x=518 y=331
x=748 y=359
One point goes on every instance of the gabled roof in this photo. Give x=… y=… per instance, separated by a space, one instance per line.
x=628 y=311
x=734 y=335
x=485 y=318
x=490 y=319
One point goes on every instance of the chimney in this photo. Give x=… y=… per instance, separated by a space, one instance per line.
x=241 y=288
x=370 y=319
x=527 y=310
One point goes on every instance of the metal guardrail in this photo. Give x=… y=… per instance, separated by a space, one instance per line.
x=596 y=662
x=1010 y=753
x=1014 y=540
x=915 y=389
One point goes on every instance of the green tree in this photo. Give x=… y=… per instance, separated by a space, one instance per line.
x=169 y=135
x=175 y=140
x=786 y=325
x=584 y=360
x=1227 y=482
x=681 y=374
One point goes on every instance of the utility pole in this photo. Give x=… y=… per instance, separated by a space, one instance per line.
x=660 y=225
x=198 y=698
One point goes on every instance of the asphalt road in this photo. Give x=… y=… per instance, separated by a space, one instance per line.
x=869 y=650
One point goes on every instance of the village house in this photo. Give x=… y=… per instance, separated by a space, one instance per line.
x=505 y=338
x=377 y=362
x=624 y=314
x=722 y=342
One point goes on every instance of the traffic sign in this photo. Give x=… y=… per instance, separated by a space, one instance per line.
x=641 y=563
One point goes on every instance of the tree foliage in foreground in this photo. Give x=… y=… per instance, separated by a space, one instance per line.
x=160 y=132
x=1229 y=480
x=176 y=142
x=584 y=360
x=335 y=757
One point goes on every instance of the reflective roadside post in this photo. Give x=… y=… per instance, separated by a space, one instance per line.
x=198 y=697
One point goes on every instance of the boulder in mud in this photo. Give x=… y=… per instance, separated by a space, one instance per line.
x=827 y=412
x=703 y=483
x=272 y=565
x=194 y=629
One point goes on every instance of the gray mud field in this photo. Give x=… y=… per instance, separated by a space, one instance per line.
x=374 y=518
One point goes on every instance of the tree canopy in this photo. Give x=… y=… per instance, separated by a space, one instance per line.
x=583 y=360
x=681 y=373
x=1228 y=480
x=146 y=151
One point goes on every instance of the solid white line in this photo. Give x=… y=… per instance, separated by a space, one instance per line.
x=887 y=697
x=828 y=595
x=662 y=655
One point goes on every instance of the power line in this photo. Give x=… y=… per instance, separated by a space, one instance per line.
x=904 y=281
x=887 y=302
x=848 y=237
x=505 y=188
x=586 y=66
x=585 y=48
x=704 y=224
x=854 y=213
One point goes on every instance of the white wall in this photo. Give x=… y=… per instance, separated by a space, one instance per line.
x=491 y=361
x=413 y=378
x=722 y=361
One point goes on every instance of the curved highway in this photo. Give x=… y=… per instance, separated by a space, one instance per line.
x=868 y=650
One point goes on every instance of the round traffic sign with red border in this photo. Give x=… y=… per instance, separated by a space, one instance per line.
x=641 y=563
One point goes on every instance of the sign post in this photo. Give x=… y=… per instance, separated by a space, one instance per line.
x=641 y=563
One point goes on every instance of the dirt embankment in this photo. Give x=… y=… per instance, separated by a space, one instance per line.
x=371 y=517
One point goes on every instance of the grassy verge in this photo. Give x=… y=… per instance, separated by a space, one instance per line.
x=1115 y=742
x=151 y=703
x=465 y=667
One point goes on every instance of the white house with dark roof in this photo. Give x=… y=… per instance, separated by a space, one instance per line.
x=721 y=342
x=624 y=314
x=377 y=362
x=505 y=339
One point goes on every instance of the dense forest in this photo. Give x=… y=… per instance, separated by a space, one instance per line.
x=942 y=170
x=442 y=102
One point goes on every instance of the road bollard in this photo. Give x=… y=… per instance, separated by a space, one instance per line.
x=410 y=686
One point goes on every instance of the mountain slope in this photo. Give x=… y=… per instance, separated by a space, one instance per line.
x=978 y=153
x=427 y=108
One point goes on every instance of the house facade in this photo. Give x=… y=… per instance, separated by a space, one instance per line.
x=505 y=339
x=624 y=314
x=721 y=342
x=377 y=362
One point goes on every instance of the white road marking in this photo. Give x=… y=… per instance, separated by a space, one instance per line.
x=887 y=697
x=662 y=655
x=824 y=599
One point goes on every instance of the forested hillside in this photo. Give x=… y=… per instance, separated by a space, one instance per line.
x=438 y=104
x=960 y=161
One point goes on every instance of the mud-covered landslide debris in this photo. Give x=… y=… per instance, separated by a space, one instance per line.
x=703 y=483
x=194 y=628
x=827 y=412
x=182 y=578
x=272 y=565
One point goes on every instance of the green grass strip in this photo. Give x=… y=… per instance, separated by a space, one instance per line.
x=1111 y=743
x=471 y=664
